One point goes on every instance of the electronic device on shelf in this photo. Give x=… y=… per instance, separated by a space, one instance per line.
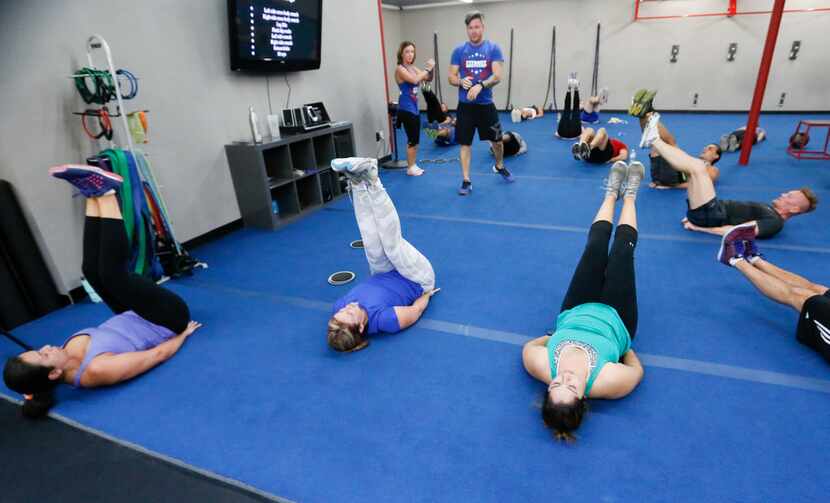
x=308 y=117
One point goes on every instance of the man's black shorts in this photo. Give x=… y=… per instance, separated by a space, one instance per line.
x=472 y=117
x=711 y=214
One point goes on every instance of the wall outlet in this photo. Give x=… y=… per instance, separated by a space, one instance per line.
x=379 y=135
x=694 y=99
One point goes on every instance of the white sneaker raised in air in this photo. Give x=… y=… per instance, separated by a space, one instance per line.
x=357 y=169
x=651 y=132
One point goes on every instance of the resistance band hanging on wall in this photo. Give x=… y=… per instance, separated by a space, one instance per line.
x=509 y=106
x=146 y=219
x=436 y=73
x=595 y=79
x=551 y=83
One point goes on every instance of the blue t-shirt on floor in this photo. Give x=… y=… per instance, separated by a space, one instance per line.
x=476 y=62
x=379 y=295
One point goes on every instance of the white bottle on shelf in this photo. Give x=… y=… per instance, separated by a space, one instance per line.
x=257 y=138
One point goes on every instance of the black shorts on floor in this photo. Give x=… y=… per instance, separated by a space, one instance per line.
x=600 y=155
x=663 y=174
x=472 y=117
x=814 y=324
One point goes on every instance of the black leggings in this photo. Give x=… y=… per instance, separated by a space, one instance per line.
x=570 y=124
x=106 y=256
x=607 y=278
x=434 y=112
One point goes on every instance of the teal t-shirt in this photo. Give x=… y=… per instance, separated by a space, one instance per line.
x=595 y=327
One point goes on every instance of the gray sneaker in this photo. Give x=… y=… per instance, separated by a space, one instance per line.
x=724 y=142
x=733 y=144
x=636 y=172
x=616 y=177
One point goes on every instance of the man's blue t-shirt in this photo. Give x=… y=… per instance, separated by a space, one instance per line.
x=476 y=62
x=379 y=295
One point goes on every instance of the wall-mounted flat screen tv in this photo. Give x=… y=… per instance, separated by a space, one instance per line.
x=275 y=35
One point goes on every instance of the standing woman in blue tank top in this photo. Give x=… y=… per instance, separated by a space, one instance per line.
x=589 y=355
x=409 y=78
x=150 y=323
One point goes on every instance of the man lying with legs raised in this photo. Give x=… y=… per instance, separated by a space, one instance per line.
x=598 y=148
x=810 y=300
x=707 y=213
x=663 y=176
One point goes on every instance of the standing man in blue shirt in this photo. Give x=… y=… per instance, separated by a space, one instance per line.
x=475 y=68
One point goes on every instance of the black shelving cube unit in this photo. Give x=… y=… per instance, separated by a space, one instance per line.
x=279 y=181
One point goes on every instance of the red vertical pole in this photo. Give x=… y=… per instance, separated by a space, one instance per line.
x=385 y=73
x=636 y=10
x=733 y=8
x=761 y=85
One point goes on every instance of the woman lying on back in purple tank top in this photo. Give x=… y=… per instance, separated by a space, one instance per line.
x=150 y=323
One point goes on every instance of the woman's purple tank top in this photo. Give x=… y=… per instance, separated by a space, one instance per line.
x=123 y=333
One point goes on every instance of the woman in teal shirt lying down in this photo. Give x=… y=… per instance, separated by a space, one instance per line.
x=589 y=355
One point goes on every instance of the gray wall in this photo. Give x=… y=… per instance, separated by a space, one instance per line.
x=634 y=55
x=178 y=48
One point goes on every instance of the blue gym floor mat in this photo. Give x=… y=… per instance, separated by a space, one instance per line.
x=444 y=411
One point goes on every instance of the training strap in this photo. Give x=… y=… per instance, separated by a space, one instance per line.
x=508 y=106
x=595 y=78
x=551 y=84
x=436 y=73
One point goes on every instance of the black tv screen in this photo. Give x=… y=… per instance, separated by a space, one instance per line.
x=275 y=35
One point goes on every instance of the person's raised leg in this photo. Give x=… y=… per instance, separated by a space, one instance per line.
x=772 y=287
x=587 y=135
x=91 y=255
x=788 y=277
x=589 y=277
x=369 y=233
x=701 y=189
x=600 y=140
x=619 y=290
x=575 y=107
x=148 y=300
x=405 y=258
x=581 y=150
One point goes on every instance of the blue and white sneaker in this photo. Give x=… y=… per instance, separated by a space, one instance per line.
x=504 y=174
x=357 y=169
x=466 y=188
x=753 y=254
x=90 y=180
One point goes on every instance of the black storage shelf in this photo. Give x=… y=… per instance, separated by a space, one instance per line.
x=265 y=175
